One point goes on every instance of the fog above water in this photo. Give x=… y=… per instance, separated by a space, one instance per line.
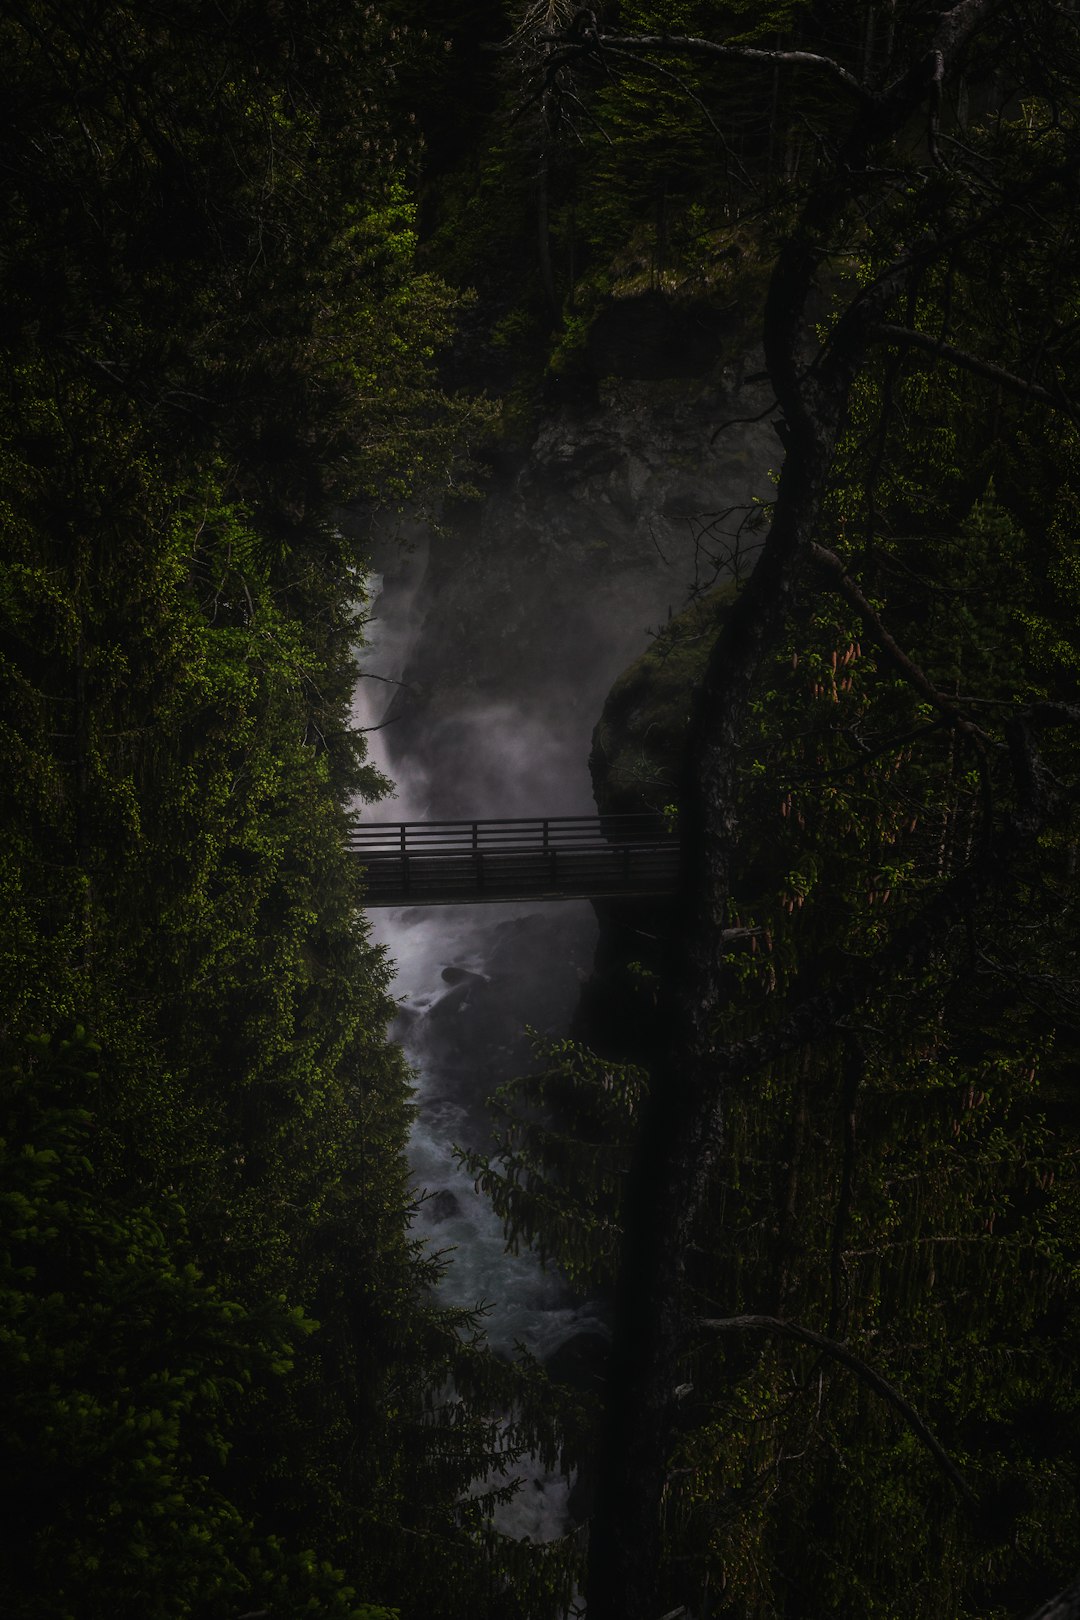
x=471 y=981
x=490 y=651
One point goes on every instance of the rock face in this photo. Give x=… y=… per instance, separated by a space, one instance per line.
x=652 y=336
x=638 y=742
x=474 y=1032
x=635 y=764
x=538 y=596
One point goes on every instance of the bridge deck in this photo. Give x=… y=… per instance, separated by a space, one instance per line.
x=525 y=858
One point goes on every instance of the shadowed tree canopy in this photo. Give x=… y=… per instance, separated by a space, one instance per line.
x=880 y=768
x=839 y=1218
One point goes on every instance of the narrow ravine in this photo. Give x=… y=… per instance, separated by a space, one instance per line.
x=489 y=652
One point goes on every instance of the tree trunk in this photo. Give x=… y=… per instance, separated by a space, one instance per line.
x=680 y=1131
x=543 y=244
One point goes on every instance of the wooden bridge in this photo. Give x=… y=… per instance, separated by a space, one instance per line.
x=431 y=863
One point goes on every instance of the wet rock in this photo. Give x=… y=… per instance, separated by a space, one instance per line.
x=475 y=1035
x=459 y=975
x=441 y=1206
x=453 y=1003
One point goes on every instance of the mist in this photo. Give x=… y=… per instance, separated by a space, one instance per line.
x=490 y=648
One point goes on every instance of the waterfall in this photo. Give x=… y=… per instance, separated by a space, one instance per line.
x=511 y=627
x=469 y=980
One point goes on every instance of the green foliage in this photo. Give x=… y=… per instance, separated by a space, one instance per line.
x=216 y=334
x=563 y=1143
x=891 y=1186
x=217 y=1347
x=640 y=178
x=126 y=1375
x=906 y=1183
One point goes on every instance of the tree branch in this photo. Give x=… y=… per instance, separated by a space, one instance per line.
x=691 y=45
x=933 y=123
x=1050 y=711
x=969 y=362
x=370 y=675
x=846 y=587
x=1034 y=784
x=1036 y=788
x=957 y=25
x=840 y=1352
x=678 y=1142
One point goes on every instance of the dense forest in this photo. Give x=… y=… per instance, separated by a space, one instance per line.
x=269 y=262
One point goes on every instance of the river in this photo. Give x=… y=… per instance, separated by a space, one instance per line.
x=489 y=652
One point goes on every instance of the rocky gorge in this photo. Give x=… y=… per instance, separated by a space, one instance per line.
x=492 y=643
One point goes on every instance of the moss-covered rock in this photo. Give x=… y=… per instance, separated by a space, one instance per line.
x=637 y=745
x=635 y=765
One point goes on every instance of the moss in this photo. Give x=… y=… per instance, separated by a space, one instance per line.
x=638 y=744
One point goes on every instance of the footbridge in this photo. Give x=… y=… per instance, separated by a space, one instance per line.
x=432 y=863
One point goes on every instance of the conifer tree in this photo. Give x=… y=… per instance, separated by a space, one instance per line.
x=936 y=148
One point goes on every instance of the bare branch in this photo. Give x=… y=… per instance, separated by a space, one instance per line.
x=394 y=718
x=735 y=421
x=927 y=75
x=1035 y=786
x=847 y=588
x=956 y=26
x=388 y=680
x=937 y=79
x=732 y=937
x=840 y=1352
x=1048 y=711
x=691 y=45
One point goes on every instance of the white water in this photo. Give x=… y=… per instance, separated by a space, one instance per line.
x=526 y=1304
x=463 y=984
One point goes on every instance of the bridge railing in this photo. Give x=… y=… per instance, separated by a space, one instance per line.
x=515 y=857
x=508 y=832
